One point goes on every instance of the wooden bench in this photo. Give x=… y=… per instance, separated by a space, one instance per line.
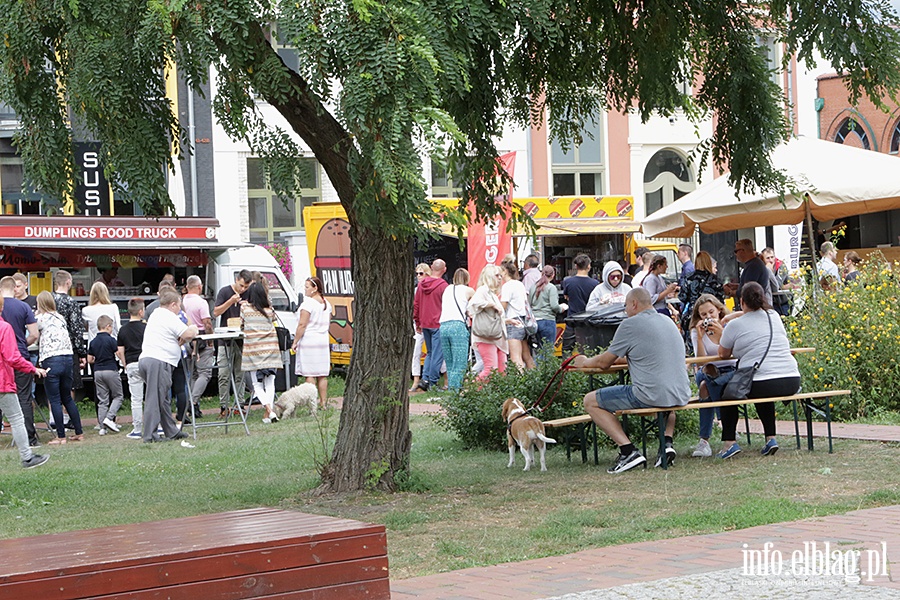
x=654 y=419
x=252 y=553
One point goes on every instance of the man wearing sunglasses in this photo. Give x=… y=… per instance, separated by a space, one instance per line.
x=427 y=315
x=754 y=270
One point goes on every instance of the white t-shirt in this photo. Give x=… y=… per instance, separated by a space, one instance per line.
x=710 y=348
x=454 y=302
x=93 y=312
x=513 y=292
x=748 y=336
x=161 y=337
x=319 y=315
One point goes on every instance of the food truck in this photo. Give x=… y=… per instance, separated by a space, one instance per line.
x=602 y=227
x=141 y=250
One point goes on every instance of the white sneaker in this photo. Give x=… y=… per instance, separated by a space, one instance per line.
x=101 y=432
x=110 y=424
x=702 y=450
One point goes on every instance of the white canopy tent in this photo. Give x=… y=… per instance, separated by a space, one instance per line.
x=833 y=181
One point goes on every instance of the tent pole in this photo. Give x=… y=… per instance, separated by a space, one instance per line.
x=812 y=247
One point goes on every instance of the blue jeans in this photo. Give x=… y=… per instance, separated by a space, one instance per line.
x=618 y=397
x=431 y=370
x=714 y=394
x=58 y=386
x=546 y=333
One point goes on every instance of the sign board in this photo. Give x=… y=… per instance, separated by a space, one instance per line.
x=91 y=188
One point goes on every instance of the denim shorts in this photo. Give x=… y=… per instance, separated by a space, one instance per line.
x=515 y=333
x=618 y=397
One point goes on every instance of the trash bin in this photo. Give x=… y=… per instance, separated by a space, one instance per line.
x=595 y=330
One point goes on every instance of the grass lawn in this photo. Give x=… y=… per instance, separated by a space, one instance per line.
x=462 y=508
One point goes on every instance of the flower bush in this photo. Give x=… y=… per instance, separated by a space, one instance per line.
x=856 y=331
x=282 y=254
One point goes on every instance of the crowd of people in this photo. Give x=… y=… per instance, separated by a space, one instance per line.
x=666 y=321
x=158 y=348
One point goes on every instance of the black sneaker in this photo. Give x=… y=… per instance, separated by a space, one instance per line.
x=423 y=386
x=670 y=456
x=624 y=463
x=197 y=412
x=36 y=460
x=180 y=435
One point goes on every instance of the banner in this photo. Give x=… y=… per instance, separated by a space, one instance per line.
x=787 y=240
x=91 y=187
x=43 y=259
x=489 y=242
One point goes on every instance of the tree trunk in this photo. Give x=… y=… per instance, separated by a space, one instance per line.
x=373 y=439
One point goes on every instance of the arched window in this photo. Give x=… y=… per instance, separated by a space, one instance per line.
x=667 y=178
x=895 y=139
x=852 y=134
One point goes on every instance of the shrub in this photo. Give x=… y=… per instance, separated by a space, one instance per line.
x=473 y=414
x=856 y=331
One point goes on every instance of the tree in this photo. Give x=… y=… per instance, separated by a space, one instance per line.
x=381 y=81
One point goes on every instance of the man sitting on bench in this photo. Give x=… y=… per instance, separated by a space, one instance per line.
x=654 y=351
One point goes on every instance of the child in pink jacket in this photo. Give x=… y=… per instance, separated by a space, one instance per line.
x=10 y=359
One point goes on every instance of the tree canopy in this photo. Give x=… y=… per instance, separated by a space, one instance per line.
x=379 y=83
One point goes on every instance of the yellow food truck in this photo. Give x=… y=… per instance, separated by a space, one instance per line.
x=602 y=227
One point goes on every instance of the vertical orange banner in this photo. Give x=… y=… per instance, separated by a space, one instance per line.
x=489 y=242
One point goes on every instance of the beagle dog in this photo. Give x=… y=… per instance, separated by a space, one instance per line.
x=526 y=431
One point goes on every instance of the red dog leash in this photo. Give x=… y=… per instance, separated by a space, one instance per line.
x=558 y=380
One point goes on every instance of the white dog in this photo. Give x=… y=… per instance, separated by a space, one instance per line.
x=290 y=400
x=526 y=431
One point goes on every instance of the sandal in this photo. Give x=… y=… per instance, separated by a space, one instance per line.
x=57 y=441
x=77 y=438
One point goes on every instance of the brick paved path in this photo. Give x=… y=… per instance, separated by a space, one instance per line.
x=611 y=567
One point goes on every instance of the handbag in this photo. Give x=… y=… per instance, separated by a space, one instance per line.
x=528 y=320
x=488 y=324
x=284 y=338
x=741 y=380
x=284 y=335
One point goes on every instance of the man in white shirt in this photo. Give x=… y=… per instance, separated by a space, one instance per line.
x=827 y=266
x=532 y=273
x=160 y=354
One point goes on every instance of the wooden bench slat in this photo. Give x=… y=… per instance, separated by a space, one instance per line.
x=113 y=580
x=695 y=403
x=140 y=543
x=721 y=403
x=266 y=584
x=242 y=554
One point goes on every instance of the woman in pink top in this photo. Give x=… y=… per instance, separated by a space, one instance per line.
x=10 y=359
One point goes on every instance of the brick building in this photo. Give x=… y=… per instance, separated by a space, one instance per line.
x=863 y=126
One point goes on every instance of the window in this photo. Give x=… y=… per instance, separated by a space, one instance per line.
x=16 y=201
x=852 y=134
x=270 y=214
x=442 y=184
x=579 y=170
x=895 y=139
x=770 y=49
x=667 y=178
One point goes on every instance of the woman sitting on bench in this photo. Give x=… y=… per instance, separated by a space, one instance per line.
x=707 y=310
x=747 y=338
